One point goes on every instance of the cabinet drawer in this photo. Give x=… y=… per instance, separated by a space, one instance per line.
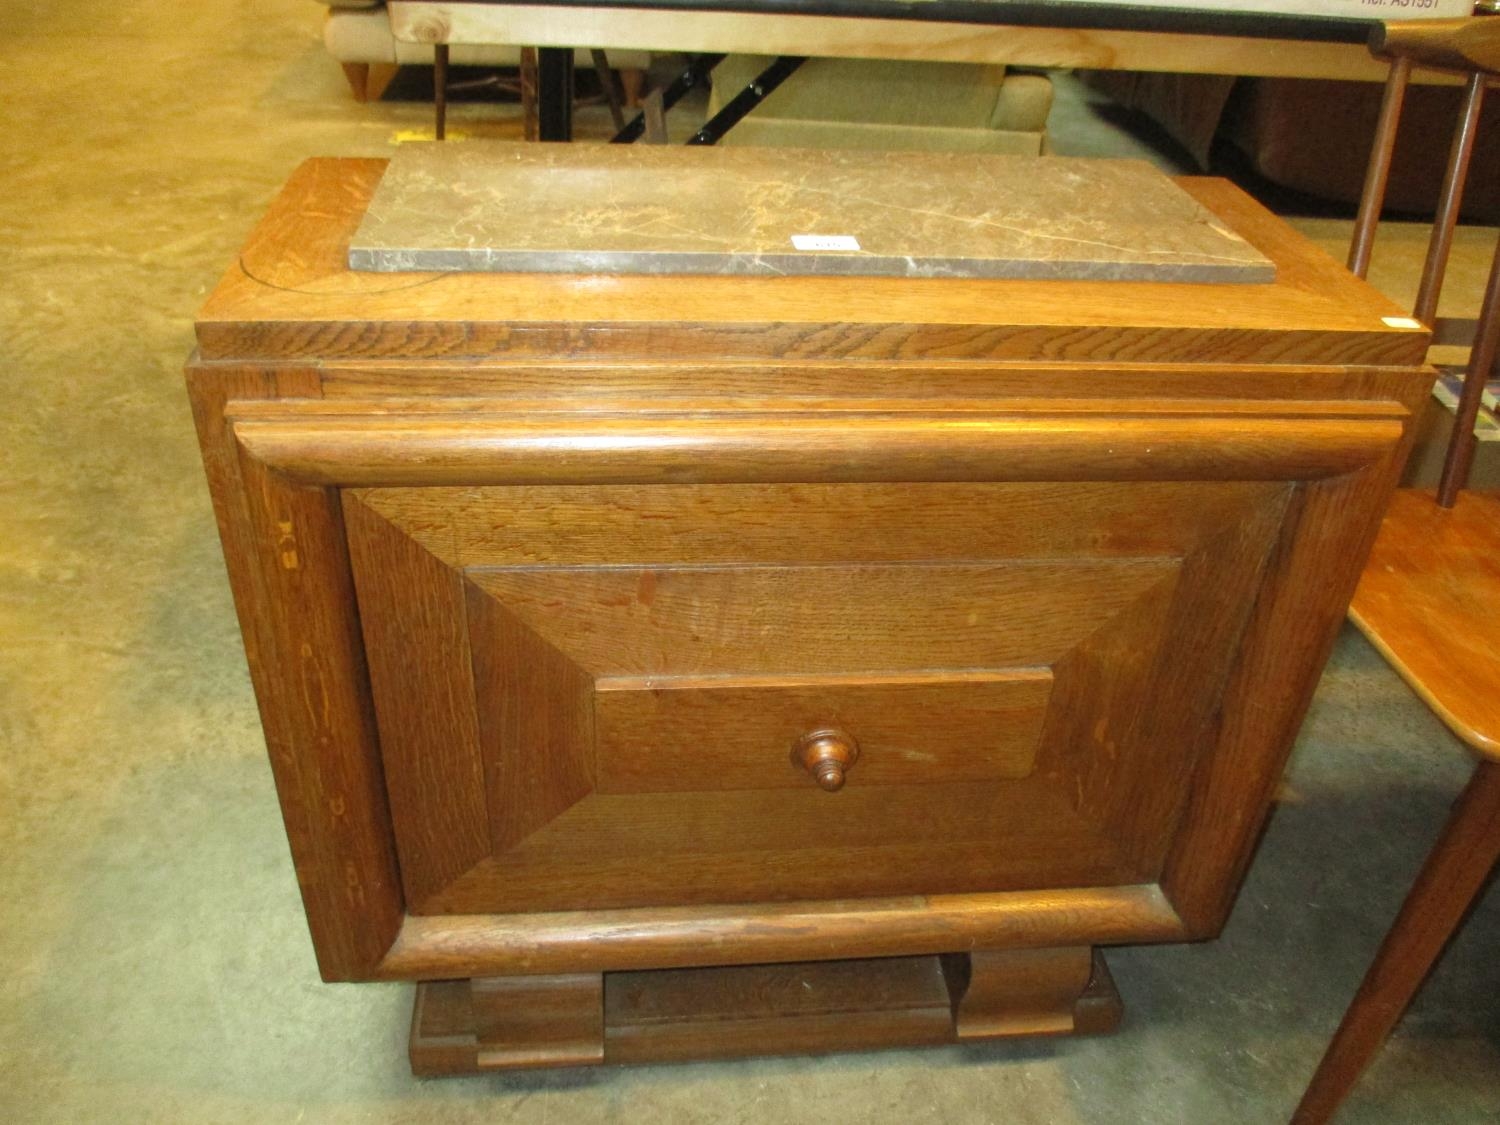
x=735 y=732
x=591 y=696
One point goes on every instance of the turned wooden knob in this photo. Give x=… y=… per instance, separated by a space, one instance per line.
x=826 y=754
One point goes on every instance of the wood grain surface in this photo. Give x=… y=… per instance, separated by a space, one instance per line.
x=829 y=446
x=291 y=295
x=1468 y=45
x=437 y=948
x=1421 y=601
x=541 y=577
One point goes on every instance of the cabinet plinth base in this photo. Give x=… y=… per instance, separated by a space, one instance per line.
x=485 y=1024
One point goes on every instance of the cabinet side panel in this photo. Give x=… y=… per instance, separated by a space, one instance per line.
x=286 y=559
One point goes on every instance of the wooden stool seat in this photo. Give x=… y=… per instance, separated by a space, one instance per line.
x=1422 y=601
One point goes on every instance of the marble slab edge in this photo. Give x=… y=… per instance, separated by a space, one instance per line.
x=669 y=263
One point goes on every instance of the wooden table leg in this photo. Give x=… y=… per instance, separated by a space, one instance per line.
x=1449 y=881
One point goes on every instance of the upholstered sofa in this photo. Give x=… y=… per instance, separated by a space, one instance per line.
x=1313 y=136
x=828 y=103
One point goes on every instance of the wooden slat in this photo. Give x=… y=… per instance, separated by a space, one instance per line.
x=444 y=947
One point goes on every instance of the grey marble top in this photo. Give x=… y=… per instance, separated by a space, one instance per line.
x=637 y=209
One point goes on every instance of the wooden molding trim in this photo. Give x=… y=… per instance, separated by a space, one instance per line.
x=447 y=946
x=828 y=446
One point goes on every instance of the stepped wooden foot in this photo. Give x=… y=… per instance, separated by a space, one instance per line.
x=462 y=1027
x=508 y=1023
x=999 y=993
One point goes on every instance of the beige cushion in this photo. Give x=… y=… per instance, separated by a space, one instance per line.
x=871 y=104
x=364 y=36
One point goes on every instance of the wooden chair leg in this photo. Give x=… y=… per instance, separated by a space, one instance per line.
x=531 y=122
x=1451 y=878
x=381 y=75
x=632 y=86
x=609 y=82
x=358 y=76
x=1373 y=196
x=369 y=80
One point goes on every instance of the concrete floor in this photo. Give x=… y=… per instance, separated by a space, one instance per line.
x=156 y=963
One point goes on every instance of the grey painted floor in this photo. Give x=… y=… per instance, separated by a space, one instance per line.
x=156 y=967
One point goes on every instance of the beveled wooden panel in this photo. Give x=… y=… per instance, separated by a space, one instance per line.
x=1175 y=652
x=417 y=647
x=672 y=735
x=638 y=525
x=536 y=722
x=819 y=619
x=625 y=850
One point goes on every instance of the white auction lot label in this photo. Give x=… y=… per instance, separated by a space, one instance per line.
x=825 y=242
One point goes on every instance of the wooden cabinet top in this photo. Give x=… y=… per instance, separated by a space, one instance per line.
x=291 y=296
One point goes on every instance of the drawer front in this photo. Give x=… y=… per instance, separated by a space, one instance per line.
x=605 y=695
x=735 y=733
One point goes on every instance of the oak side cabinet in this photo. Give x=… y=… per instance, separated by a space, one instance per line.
x=659 y=668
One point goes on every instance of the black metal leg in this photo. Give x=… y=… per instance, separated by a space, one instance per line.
x=554 y=93
x=440 y=88
x=746 y=100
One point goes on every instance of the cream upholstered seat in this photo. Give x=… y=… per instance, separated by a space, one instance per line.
x=358 y=34
x=872 y=104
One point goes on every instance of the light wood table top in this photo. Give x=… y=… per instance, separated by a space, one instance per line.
x=1427 y=602
x=1105 y=38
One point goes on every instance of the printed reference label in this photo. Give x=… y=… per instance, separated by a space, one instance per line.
x=825 y=242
